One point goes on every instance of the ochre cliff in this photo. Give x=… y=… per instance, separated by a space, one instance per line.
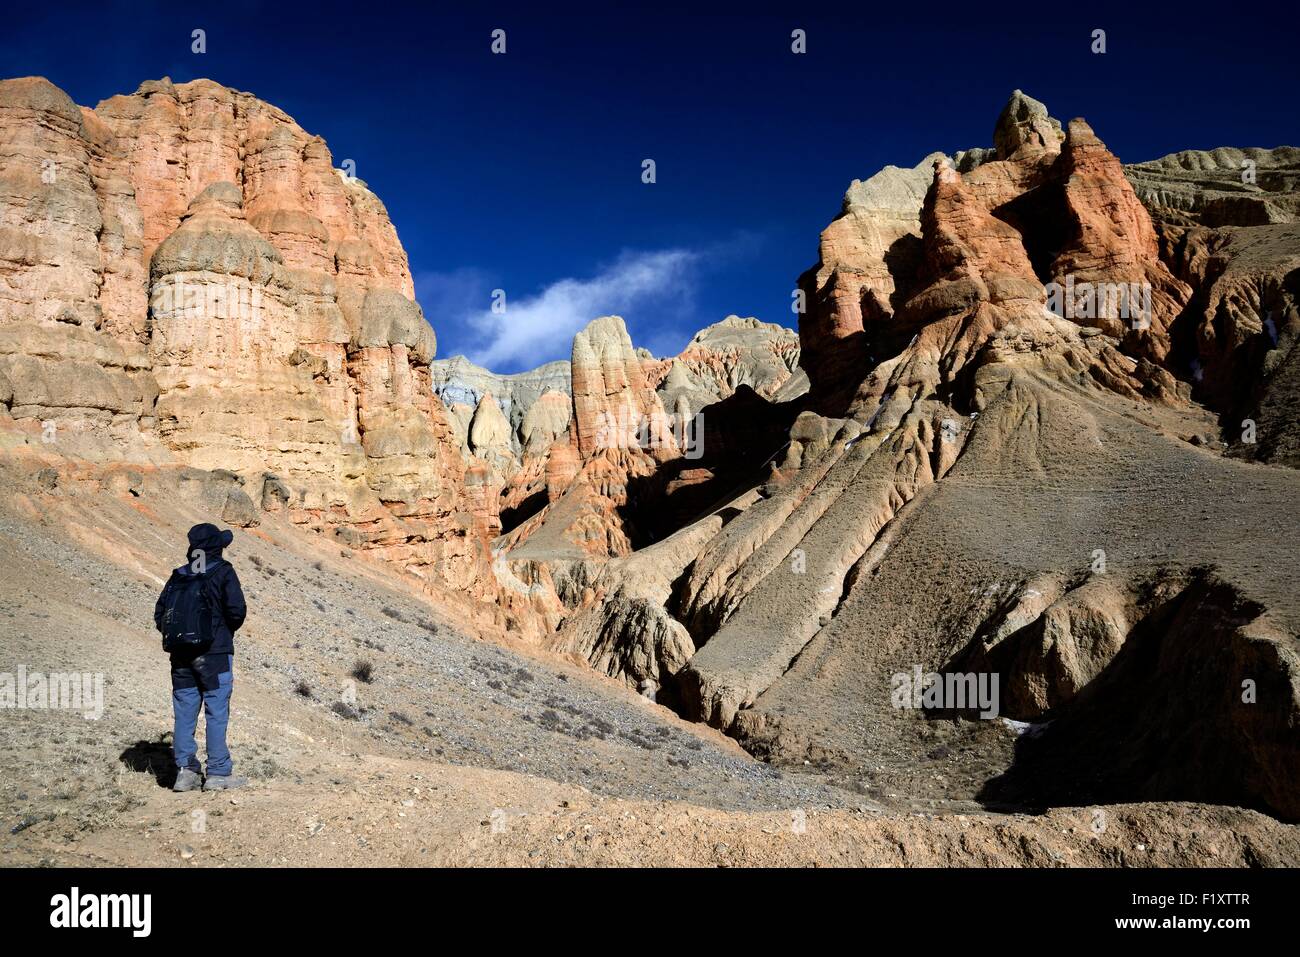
x=188 y=280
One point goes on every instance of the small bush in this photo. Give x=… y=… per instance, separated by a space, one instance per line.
x=303 y=689
x=363 y=671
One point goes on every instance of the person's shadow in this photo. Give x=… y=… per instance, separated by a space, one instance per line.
x=153 y=757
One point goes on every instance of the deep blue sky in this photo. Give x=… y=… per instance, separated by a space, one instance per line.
x=523 y=170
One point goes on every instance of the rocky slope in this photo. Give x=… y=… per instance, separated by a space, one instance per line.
x=993 y=474
x=456 y=751
x=1227 y=222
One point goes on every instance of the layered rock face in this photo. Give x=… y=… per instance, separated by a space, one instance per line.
x=179 y=139
x=1003 y=493
x=1226 y=220
x=224 y=298
x=1222 y=187
x=729 y=354
x=461 y=386
x=1081 y=224
x=73 y=292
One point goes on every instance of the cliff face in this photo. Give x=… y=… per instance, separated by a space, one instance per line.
x=177 y=140
x=73 y=296
x=1015 y=367
x=189 y=280
x=1227 y=226
x=1074 y=219
x=529 y=433
x=534 y=403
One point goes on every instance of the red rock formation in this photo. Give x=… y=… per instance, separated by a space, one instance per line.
x=724 y=356
x=621 y=433
x=977 y=281
x=179 y=139
x=867 y=256
x=1111 y=241
x=1070 y=217
x=280 y=340
x=73 y=295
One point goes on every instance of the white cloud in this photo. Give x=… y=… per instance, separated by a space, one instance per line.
x=530 y=328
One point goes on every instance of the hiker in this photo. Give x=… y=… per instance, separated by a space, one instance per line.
x=200 y=609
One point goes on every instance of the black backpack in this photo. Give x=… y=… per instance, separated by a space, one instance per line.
x=187 y=614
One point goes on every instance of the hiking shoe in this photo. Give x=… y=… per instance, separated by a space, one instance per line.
x=186 y=780
x=226 y=783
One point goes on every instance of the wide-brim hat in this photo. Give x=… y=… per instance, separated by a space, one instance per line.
x=207 y=535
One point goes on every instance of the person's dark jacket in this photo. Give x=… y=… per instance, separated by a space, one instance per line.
x=224 y=593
